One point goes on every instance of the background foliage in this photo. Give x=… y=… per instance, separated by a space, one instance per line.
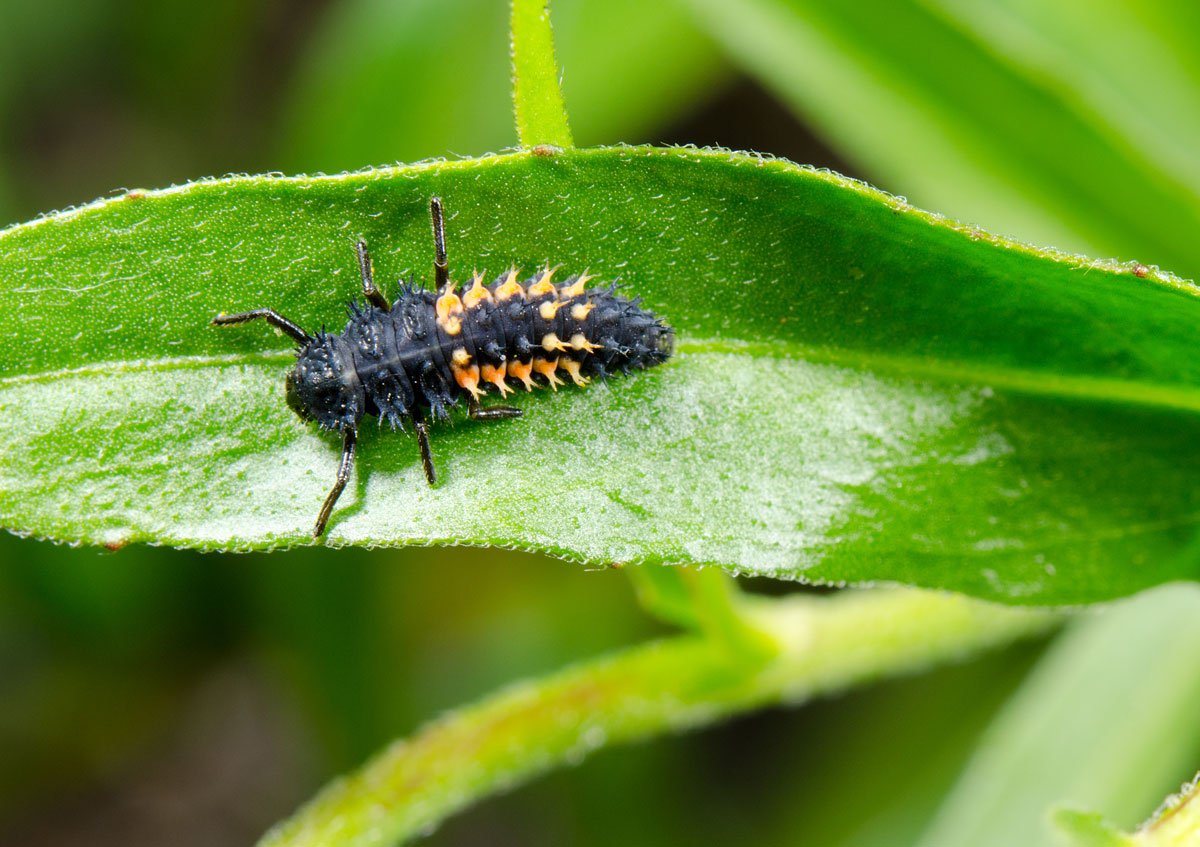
x=151 y=693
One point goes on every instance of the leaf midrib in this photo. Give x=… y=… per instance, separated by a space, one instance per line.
x=912 y=369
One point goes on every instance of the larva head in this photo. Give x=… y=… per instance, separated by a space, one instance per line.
x=324 y=385
x=662 y=342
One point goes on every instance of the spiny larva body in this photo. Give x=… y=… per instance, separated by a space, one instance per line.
x=414 y=359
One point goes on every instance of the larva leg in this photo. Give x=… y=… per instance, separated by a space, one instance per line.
x=270 y=316
x=422 y=429
x=441 y=270
x=495 y=413
x=370 y=291
x=349 y=440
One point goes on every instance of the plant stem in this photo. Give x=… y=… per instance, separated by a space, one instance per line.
x=824 y=645
x=537 y=97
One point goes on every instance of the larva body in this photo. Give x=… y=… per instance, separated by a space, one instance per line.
x=421 y=356
x=412 y=360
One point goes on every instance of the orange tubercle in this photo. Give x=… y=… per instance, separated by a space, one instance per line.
x=495 y=375
x=447 y=309
x=575 y=289
x=572 y=368
x=547 y=368
x=580 y=342
x=543 y=286
x=468 y=379
x=477 y=293
x=510 y=287
x=521 y=371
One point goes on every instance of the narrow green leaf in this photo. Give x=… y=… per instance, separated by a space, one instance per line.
x=825 y=645
x=1175 y=824
x=631 y=83
x=933 y=99
x=537 y=97
x=1105 y=722
x=1128 y=68
x=862 y=391
x=385 y=81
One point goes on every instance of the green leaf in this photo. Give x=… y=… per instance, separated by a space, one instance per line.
x=824 y=645
x=385 y=81
x=1175 y=824
x=862 y=391
x=537 y=98
x=1177 y=821
x=1003 y=114
x=1106 y=721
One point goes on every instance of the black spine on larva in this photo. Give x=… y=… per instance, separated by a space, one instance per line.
x=617 y=334
x=421 y=358
x=629 y=336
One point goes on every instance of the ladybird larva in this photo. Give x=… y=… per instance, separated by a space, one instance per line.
x=412 y=360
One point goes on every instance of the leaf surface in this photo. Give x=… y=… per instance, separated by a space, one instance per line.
x=1068 y=126
x=863 y=392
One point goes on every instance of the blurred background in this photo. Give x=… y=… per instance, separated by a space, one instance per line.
x=153 y=696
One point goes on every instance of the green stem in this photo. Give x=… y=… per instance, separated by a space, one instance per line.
x=824 y=645
x=705 y=600
x=537 y=97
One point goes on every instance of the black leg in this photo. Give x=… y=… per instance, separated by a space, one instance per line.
x=441 y=270
x=495 y=413
x=270 y=316
x=422 y=429
x=374 y=295
x=349 y=439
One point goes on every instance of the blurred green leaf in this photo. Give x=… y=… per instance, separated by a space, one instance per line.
x=1129 y=67
x=1106 y=721
x=825 y=645
x=863 y=391
x=958 y=107
x=385 y=81
x=628 y=83
x=1175 y=824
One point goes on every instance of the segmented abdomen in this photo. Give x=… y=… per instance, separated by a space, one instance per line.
x=430 y=350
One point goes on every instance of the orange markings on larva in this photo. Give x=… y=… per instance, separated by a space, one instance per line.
x=447 y=309
x=495 y=375
x=549 y=309
x=468 y=379
x=510 y=287
x=521 y=371
x=447 y=305
x=543 y=286
x=579 y=342
x=575 y=289
x=547 y=368
x=461 y=357
x=572 y=367
x=580 y=311
x=477 y=293
x=551 y=343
